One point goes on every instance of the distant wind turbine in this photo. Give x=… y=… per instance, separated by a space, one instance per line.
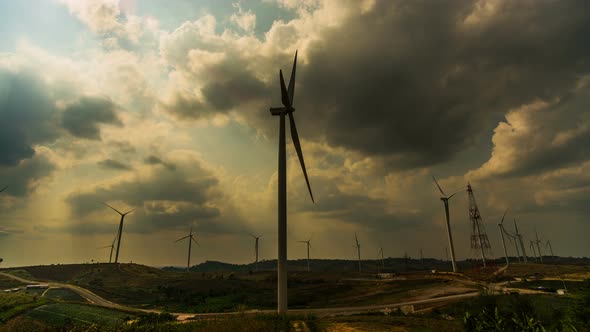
x=532 y=247
x=308 y=244
x=120 y=229
x=538 y=243
x=519 y=236
x=256 y=240
x=502 y=231
x=190 y=238
x=358 y=250
x=287 y=97
x=548 y=244
x=1 y=190
x=112 y=246
x=382 y=258
x=445 y=200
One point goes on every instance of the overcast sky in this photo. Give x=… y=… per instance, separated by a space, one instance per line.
x=162 y=107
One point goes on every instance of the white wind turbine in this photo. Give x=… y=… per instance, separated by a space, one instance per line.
x=519 y=236
x=190 y=238
x=502 y=231
x=256 y=240
x=445 y=200
x=112 y=246
x=287 y=97
x=358 y=250
x=308 y=244
x=120 y=229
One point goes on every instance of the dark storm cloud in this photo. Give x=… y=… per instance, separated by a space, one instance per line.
x=24 y=178
x=82 y=118
x=413 y=79
x=27 y=113
x=229 y=85
x=113 y=164
x=168 y=199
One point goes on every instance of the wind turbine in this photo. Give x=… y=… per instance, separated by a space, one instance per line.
x=548 y=244
x=112 y=246
x=538 y=242
x=191 y=238
x=358 y=250
x=287 y=95
x=120 y=229
x=308 y=243
x=445 y=200
x=519 y=236
x=256 y=239
x=532 y=247
x=502 y=231
x=382 y=258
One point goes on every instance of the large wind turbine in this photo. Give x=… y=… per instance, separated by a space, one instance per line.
x=519 y=236
x=502 y=231
x=256 y=239
x=358 y=251
x=191 y=238
x=308 y=244
x=287 y=95
x=445 y=200
x=120 y=229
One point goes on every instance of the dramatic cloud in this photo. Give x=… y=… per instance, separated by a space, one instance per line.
x=420 y=81
x=165 y=198
x=27 y=115
x=82 y=118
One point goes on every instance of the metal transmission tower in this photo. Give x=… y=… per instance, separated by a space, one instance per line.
x=479 y=238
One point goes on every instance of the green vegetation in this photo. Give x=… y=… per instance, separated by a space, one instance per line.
x=13 y=304
x=63 y=295
x=72 y=314
x=8 y=283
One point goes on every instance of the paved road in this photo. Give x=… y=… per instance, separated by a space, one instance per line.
x=83 y=292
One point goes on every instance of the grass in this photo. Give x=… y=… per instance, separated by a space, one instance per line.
x=72 y=314
x=7 y=283
x=63 y=295
x=13 y=304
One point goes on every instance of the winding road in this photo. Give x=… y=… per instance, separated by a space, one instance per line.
x=97 y=300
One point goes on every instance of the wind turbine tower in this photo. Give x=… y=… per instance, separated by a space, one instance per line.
x=502 y=231
x=256 y=240
x=308 y=245
x=287 y=95
x=538 y=243
x=190 y=238
x=532 y=247
x=445 y=200
x=120 y=230
x=479 y=238
x=382 y=259
x=358 y=250
x=548 y=244
x=519 y=236
x=112 y=246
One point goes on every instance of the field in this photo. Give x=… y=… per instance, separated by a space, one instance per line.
x=201 y=292
x=66 y=314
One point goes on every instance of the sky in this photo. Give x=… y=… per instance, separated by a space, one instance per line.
x=163 y=107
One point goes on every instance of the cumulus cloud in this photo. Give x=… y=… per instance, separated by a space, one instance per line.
x=83 y=117
x=165 y=198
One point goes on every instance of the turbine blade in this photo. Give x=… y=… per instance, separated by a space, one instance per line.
x=284 y=93
x=309 y=244
x=3 y=189
x=103 y=247
x=439 y=188
x=195 y=241
x=356 y=239
x=112 y=208
x=126 y=213
x=295 y=139
x=182 y=238
x=292 y=80
x=456 y=192
x=252 y=235
x=504 y=215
